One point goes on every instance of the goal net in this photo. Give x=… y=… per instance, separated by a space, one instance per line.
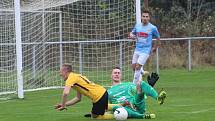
x=88 y=34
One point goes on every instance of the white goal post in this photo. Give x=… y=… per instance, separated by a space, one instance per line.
x=91 y=35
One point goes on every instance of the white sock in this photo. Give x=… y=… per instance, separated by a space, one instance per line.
x=141 y=73
x=137 y=75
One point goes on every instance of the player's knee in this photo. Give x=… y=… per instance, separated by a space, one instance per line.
x=138 y=67
x=133 y=66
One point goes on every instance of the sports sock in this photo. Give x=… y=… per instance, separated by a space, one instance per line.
x=105 y=116
x=141 y=74
x=137 y=75
x=111 y=106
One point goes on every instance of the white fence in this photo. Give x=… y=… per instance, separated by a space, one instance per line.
x=82 y=43
x=94 y=59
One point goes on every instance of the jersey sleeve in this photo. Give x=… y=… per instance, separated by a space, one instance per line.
x=155 y=32
x=71 y=81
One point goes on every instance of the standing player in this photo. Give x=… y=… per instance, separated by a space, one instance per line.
x=82 y=85
x=143 y=32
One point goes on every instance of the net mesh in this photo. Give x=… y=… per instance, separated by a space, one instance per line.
x=88 y=34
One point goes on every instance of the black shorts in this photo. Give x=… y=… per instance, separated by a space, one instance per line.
x=100 y=106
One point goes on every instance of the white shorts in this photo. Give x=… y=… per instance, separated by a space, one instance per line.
x=140 y=58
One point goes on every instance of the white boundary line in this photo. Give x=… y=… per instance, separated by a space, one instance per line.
x=195 y=112
x=189 y=105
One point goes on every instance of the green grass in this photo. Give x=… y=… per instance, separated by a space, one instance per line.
x=191 y=97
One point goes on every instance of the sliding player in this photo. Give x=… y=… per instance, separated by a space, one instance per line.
x=133 y=94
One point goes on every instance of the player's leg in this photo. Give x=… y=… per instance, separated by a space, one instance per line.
x=148 y=90
x=137 y=73
x=140 y=63
x=132 y=113
x=99 y=108
x=139 y=99
x=143 y=57
x=161 y=97
x=143 y=73
x=139 y=102
x=149 y=116
x=111 y=106
x=136 y=67
x=135 y=114
x=134 y=60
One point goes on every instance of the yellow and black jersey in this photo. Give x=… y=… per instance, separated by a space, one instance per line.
x=85 y=86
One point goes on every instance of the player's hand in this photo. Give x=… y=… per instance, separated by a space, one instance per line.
x=154 y=76
x=58 y=106
x=131 y=36
x=154 y=50
x=152 y=79
x=61 y=108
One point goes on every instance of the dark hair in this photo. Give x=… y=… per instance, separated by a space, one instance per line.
x=117 y=67
x=147 y=11
x=67 y=67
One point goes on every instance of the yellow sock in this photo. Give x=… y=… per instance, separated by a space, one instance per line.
x=110 y=106
x=105 y=116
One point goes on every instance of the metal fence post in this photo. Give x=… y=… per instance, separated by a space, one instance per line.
x=157 y=61
x=189 y=55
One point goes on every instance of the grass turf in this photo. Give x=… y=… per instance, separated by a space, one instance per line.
x=190 y=97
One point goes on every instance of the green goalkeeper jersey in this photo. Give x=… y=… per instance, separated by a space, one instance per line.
x=122 y=92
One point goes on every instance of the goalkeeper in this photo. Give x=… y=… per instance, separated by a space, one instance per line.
x=134 y=95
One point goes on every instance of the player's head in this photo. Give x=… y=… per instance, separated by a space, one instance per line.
x=145 y=16
x=65 y=70
x=116 y=75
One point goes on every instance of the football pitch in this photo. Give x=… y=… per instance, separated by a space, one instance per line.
x=190 y=97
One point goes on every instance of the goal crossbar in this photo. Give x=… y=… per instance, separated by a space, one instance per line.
x=45 y=4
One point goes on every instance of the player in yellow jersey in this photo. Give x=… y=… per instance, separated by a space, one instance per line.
x=83 y=86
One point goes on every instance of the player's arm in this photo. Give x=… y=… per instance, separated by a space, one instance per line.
x=132 y=34
x=65 y=103
x=65 y=94
x=157 y=43
x=74 y=100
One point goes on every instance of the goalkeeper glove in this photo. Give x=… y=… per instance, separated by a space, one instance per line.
x=152 y=79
